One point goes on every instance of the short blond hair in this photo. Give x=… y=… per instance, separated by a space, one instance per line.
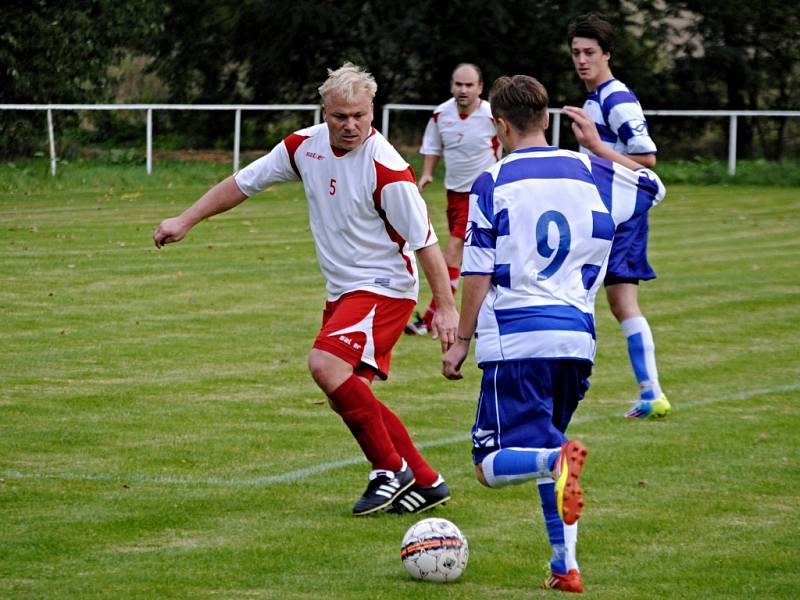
x=347 y=81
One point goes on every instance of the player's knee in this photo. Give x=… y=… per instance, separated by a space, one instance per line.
x=623 y=301
x=480 y=476
x=320 y=368
x=616 y=310
x=327 y=370
x=316 y=366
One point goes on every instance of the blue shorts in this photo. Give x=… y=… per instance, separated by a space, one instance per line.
x=627 y=262
x=527 y=403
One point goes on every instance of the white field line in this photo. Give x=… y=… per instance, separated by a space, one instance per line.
x=302 y=474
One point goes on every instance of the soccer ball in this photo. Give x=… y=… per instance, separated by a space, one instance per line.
x=434 y=550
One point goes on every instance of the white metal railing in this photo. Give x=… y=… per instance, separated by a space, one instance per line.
x=389 y=107
x=732 y=115
x=237 y=124
x=556 y=124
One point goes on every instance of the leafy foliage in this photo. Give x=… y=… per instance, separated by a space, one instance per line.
x=673 y=53
x=60 y=52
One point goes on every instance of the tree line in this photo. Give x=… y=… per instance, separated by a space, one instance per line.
x=692 y=54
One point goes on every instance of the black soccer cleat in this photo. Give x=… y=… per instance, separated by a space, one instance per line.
x=383 y=488
x=417 y=498
x=416 y=327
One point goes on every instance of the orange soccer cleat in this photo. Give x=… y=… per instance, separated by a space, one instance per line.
x=571 y=582
x=569 y=496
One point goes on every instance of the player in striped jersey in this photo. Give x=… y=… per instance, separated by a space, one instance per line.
x=541 y=223
x=368 y=221
x=461 y=130
x=622 y=126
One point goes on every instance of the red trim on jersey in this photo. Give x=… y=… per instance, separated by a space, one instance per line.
x=435 y=117
x=292 y=142
x=383 y=177
x=496 y=147
x=464 y=116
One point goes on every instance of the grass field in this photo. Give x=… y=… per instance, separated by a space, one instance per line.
x=161 y=438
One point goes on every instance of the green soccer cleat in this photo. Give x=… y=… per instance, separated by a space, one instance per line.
x=644 y=409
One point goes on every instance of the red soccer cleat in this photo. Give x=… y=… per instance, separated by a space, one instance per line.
x=569 y=497
x=571 y=582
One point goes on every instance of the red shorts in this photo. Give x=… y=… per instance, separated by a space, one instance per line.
x=457 y=213
x=361 y=328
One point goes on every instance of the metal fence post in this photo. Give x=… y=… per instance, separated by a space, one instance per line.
x=149 y=141
x=237 y=133
x=385 y=122
x=556 y=129
x=317 y=116
x=732 y=146
x=52 y=142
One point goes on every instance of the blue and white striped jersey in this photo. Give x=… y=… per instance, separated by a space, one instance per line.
x=619 y=118
x=541 y=223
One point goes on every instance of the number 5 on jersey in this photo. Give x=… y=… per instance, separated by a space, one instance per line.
x=332 y=189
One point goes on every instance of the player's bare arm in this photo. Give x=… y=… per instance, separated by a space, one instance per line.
x=223 y=196
x=429 y=163
x=645 y=160
x=473 y=291
x=445 y=320
x=586 y=133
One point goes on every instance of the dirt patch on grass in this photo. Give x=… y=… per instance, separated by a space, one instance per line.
x=210 y=156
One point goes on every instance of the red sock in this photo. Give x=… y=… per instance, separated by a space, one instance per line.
x=423 y=472
x=361 y=412
x=454 y=273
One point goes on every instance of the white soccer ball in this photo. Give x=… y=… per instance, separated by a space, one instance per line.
x=434 y=550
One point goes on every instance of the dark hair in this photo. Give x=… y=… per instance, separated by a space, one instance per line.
x=592 y=26
x=520 y=100
x=476 y=68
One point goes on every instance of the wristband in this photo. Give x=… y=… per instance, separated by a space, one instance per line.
x=464 y=339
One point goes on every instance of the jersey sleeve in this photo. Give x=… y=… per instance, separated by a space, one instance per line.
x=626 y=118
x=432 y=138
x=276 y=167
x=396 y=196
x=481 y=239
x=626 y=193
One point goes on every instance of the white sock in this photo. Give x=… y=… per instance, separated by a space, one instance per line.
x=571 y=541
x=642 y=353
x=511 y=466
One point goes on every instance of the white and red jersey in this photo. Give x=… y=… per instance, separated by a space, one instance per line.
x=366 y=214
x=468 y=143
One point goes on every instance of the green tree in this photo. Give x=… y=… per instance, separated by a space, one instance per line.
x=737 y=55
x=59 y=52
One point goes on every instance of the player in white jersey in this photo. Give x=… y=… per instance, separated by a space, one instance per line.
x=368 y=221
x=541 y=223
x=622 y=126
x=461 y=130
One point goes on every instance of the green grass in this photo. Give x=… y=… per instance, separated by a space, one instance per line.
x=160 y=436
x=126 y=167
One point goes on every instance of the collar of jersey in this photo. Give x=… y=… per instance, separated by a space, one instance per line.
x=535 y=149
x=604 y=84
